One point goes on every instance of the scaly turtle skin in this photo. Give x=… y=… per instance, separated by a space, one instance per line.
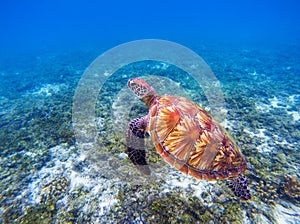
x=187 y=137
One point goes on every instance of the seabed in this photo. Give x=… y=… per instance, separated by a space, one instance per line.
x=46 y=178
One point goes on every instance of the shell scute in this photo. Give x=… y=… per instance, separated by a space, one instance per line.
x=182 y=139
x=163 y=119
x=186 y=106
x=204 y=119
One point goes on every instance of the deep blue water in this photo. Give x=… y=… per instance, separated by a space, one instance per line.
x=253 y=48
x=27 y=26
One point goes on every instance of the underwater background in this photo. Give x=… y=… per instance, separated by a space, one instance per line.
x=253 y=48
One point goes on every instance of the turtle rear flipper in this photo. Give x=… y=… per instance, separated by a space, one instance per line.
x=135 y=144
x=239 y=187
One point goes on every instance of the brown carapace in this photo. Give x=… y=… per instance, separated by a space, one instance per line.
x=187 y=137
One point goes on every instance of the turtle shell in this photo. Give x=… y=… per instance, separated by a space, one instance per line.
x=188 y=138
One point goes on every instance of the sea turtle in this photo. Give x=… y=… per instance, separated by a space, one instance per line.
x=187 y=137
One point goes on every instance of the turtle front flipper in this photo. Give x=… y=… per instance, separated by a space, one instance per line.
x=239 y=187
x=135 y=144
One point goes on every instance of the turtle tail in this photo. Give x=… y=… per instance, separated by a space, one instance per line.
x=239 y=187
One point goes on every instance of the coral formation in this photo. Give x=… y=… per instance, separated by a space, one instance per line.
x=290 y=188
x=37 y=142
x=170 y=207
x=267 y=191
x=54 y=190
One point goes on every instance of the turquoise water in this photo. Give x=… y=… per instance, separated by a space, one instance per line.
x=54 y=171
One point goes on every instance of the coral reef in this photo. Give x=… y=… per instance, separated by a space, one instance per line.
x=44 y=179
x=54 y=190
x=290 y=188
x=267 y=191
x=156 y=206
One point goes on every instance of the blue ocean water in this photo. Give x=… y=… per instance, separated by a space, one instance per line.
x=47 y=48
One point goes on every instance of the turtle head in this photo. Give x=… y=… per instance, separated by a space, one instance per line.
x=142 y=90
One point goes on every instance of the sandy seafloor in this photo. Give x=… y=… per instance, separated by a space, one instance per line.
x=45 y=178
